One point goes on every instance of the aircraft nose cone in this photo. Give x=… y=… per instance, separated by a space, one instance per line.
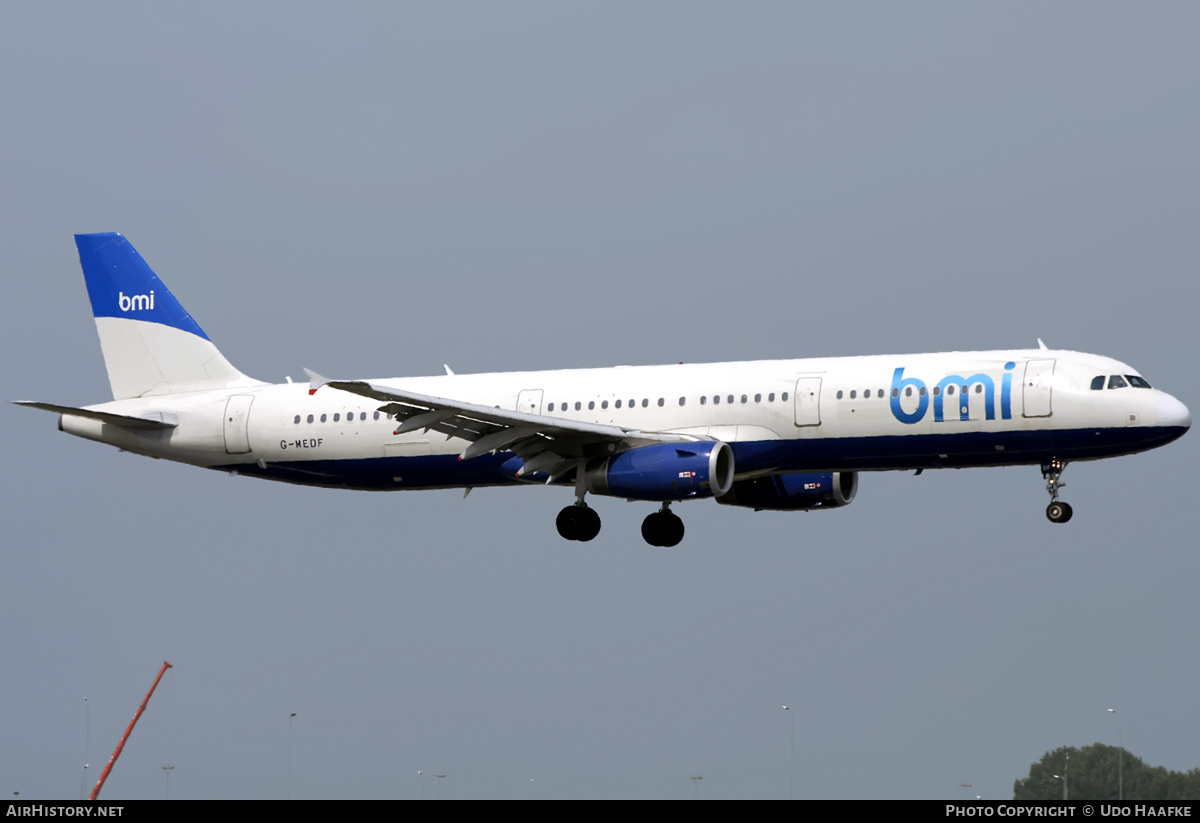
x=1172 y=413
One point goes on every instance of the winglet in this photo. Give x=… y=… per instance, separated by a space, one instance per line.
x=315 y=381
x=1042 y=345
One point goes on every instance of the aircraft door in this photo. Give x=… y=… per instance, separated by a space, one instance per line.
x=1037 y=388
x=237 y=414
x=530 y=401
x=808 y=401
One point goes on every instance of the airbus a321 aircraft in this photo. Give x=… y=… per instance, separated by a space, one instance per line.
x=770 y=434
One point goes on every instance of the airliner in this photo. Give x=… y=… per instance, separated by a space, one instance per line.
x=790 y=435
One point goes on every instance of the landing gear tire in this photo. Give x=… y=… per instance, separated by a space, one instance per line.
x=578 y=523
x=662 y=528
x=1059 y=512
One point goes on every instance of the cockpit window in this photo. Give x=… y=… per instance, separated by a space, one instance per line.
x=1137 y=382
x=1098 y=382
x=1116 y=382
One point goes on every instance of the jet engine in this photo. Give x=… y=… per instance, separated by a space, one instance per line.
x=793 y=492
x=664 y=471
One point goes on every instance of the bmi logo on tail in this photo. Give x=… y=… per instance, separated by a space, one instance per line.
x=137 y=302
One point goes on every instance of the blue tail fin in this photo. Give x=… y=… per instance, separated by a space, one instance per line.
x=151 y=345
x=121 y=284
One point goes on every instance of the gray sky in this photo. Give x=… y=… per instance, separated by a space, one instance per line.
x=375 y=189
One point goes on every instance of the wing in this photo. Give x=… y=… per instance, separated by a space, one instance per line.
x=551 y=445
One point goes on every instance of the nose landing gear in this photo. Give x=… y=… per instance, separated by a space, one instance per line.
x=1057 y=511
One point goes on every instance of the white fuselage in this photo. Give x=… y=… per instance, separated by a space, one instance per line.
x=830 y=414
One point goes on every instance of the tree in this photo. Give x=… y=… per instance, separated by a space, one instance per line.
x=1091 y=774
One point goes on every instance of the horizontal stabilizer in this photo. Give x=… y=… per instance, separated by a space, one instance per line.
x=123 y=420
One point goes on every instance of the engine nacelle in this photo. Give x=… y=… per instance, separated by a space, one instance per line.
x=794 y=492
x=664 y=471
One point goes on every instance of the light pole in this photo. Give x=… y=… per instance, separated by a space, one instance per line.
x=791 y=754
x=1063 y=776
x=290 y=718
x=1120 y=760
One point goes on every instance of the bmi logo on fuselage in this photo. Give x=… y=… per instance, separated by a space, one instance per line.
x=135 y=302
x=955 y=387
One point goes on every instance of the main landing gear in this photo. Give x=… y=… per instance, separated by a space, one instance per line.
x=663 y=528
x=1057 y=511
x=579 y=522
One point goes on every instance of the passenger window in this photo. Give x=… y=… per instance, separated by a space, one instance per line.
x=1098 y=382
x=661 y=402
x=716 y=399
x=551 y=407
x=604 y=404
x=337 y=417
x=703 y=399
x=729 y=399
x=297 y=420
x=578 y=406
x=323 y=418
x=853 y=394
x=758 y=398
x=783 y=397
x=839 y=394
x=591 y=405
x=682 y=400
x=645 y=402
x=618 y=404
x=376 y=417
x=310 y=418
x=1116 y=382
x=771 y=397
